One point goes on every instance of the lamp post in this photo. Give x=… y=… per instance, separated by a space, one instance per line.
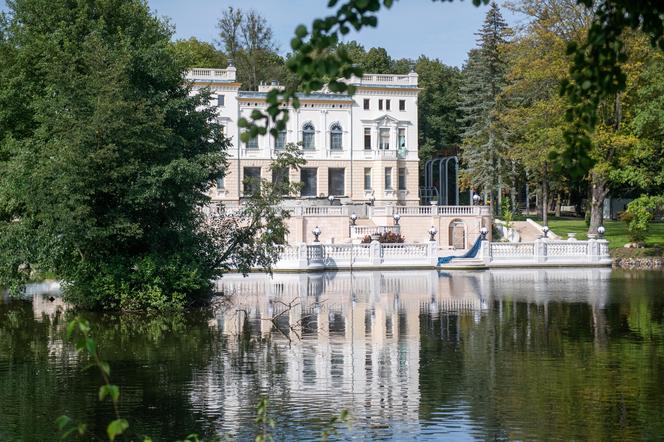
x=331 y=199
x=353 y=220
x=432 y=233
x=396 y=218
x=476 y=199
x=546 y=229
x=600 y=231
x=316 y=232
x=483 y=232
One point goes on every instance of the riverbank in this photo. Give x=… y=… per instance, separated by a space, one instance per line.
x=650 y=258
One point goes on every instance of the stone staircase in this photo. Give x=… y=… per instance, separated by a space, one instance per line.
x=526 y=230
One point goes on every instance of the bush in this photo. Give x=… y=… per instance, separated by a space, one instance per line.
x=639 y=214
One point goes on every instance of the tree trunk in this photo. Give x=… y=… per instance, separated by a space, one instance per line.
x=513 y=200
x=599 y=190
x=559 y=203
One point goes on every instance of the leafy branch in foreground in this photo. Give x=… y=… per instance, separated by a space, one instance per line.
x=596 y=72
x=316 y=64
x=79 y=332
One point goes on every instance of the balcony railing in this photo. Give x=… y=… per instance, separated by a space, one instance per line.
x=430 y=210
x=212 y=74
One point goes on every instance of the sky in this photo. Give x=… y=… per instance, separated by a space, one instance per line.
x=441 y=29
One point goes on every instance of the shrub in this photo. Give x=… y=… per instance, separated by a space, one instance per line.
x=639 y=214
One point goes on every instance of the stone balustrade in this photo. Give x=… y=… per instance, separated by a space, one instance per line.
x=362 y=231
x=318 y=256
x=540 y=253
x=430 y=210
x=546 y=252
x=204 y=74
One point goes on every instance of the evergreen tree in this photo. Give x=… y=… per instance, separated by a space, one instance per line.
x=438 y=108
x=484 y=77
x=106 y=158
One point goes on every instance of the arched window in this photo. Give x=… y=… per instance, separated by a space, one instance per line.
x=457 y=237
x=336 y=136
x=308 y=134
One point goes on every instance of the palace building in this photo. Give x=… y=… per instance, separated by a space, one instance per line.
x=358 y=148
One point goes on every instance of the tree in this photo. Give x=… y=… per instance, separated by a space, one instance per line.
x=438 y=108
x=595 y=71
x=248 y=41
x=106 y=158
x=484 y=78
x=532 y=110
x=196 y=53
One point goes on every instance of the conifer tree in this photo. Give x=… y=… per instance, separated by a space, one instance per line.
x=484 y=76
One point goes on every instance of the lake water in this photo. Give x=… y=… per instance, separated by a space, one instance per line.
x=412 y=355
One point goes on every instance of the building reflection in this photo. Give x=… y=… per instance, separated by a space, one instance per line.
x=353 y=340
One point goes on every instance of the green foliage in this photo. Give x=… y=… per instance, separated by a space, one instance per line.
x=120 y=152
x=249 y=44
x=196 y=53
x=438 y=108
x=100 y=120
x=315 y=64
x=483 y=149
x=596 y=72
x=640 y=213
x=506 y=212
x=79 y=332
x=264 y=421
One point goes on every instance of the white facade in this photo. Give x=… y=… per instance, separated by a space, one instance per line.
x=360 y=147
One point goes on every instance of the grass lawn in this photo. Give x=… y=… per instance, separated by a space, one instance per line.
x=616 y=231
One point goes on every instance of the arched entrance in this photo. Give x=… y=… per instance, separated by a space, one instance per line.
x=457 y=234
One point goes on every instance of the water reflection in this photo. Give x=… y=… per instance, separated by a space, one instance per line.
x=506 y=354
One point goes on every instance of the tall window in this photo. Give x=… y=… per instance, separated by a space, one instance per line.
x=309 y=179
x=280 y=179
x=402 y=138
x=402 y=105
x=336 y=136
x=366 y=104
x=308 y=134
x=387 y=104
x=220 y=100
x=402 y=178
x=252 y=143
x=367 y=138
x=219 y=182
x=252 y=179
x=380 y=104
x=280 y=141
x=335 y=181
x=367 y=178
x=388 y=178
x=384 y=138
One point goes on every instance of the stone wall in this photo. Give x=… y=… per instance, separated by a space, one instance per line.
x=639 y=263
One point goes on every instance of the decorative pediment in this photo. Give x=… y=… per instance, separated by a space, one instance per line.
x=387 y=120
